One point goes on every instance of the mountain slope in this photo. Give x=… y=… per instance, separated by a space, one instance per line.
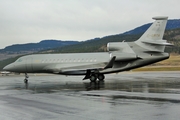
x=173 y=36
x=34 y=47
x=171 y=24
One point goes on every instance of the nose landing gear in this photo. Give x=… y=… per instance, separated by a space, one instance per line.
x=26 y=78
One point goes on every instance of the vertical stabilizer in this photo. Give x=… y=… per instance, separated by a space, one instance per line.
x=152 y=38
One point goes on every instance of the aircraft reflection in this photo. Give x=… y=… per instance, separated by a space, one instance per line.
x=26 y=85
x=67 y=86
x=128 y=86
x=94 y=85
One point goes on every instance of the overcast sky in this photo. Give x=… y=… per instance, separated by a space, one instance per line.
x=25 y=21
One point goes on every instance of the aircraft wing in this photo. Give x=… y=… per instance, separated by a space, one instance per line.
x=79 y=68
x=57 y=68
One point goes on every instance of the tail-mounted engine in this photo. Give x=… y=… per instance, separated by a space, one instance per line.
x=121 y=50
x=114 y=46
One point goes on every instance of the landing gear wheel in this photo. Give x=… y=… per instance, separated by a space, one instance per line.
x=93 y=78
x=26 y=81
x=101 y=77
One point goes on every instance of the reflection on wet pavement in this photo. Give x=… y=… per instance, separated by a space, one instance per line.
x=150 y=95
x=150 y=85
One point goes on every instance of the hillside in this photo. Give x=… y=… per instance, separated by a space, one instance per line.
x=172 y=34
x=21 y=49
x=34 y=47
x=171 y=24
x=100 y=45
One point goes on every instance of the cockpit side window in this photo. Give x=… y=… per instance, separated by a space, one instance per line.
x=19 y=60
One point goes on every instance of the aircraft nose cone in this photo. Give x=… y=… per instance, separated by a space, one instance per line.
x=8 y=67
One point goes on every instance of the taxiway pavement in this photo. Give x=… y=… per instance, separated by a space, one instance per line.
x=127 y=95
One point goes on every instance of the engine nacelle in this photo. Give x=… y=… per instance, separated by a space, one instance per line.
x=114 y=46
x=121 y=50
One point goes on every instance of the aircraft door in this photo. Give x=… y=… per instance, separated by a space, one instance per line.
x=29 y=65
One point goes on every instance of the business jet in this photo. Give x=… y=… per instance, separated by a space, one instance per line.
x=121 y=56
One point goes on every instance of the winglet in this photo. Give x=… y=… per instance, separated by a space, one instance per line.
x=111 y=62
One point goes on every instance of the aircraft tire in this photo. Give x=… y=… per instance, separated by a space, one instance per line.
x=93 y=78
x=26 y=81
x=101 y=77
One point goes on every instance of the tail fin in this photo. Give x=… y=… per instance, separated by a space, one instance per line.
x=152 y=38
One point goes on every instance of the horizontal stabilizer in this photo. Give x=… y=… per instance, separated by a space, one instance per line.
x=158 y=42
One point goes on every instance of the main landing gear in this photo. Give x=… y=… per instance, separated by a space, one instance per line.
x=26 y=78
x=94 y=77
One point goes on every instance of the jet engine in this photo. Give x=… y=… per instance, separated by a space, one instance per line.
x=114 y=46
x=121 y=50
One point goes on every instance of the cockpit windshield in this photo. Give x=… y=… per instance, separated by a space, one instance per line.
x=19 y=60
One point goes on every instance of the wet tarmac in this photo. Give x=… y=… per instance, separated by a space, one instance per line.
x=126 y=96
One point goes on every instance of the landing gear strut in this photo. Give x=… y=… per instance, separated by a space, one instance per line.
x=93 y=76
x=26 y=78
